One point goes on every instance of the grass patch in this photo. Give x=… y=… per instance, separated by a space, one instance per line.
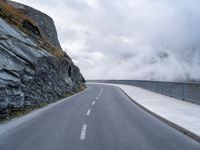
x=27 y=25
x=16 y=17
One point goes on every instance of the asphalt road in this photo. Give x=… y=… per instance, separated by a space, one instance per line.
x=100 y=118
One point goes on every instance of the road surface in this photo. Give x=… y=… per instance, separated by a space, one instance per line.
x=100 y=118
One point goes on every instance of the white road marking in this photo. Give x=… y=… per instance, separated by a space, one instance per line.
x=97 y=97
x=101 y=91
x=88 y=112
x=93 y=102
x=83 y=132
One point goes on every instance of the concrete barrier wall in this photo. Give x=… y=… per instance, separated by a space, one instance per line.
x=184 y=91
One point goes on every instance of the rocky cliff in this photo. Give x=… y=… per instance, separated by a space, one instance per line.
x=34 y=70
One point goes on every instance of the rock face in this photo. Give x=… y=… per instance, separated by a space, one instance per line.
x=33 y=68
x=43 y=21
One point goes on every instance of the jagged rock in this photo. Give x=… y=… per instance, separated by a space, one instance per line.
x=43 y=21
x=30 y=74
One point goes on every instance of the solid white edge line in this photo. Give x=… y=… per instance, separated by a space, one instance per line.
x=83 y=132
x=7 y=126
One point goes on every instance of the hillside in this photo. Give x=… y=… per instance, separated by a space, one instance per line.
x=34 y=70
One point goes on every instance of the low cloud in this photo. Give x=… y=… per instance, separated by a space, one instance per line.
x=140 y=39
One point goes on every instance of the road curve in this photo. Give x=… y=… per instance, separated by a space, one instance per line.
x=100 y=118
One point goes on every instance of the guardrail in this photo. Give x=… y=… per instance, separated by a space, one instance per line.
x=184 y=91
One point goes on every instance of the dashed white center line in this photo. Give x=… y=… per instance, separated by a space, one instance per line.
x=88 y=112
x=93 y=102
x=97 y=97
x=83 y=132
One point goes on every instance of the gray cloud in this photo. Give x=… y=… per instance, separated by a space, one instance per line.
x=128 y=39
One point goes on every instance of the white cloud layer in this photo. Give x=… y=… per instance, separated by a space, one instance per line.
x=129 y=39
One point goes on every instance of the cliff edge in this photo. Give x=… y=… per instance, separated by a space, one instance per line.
x=34 y=70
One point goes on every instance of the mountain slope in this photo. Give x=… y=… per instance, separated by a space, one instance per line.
x=34 y=70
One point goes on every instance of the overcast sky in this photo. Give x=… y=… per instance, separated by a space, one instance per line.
x=129 y=39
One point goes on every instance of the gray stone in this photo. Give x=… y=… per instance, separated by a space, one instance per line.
x=44 y=22
x=30 y=75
